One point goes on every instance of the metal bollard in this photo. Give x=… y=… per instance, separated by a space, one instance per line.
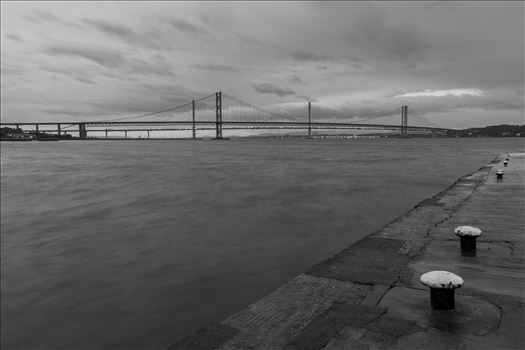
x=442 y=286
x=499 y=174
x=505 y=162
x=468 y=235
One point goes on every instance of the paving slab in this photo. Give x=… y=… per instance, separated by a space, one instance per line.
x=371 y=260
x=325 y=326
x=208 y=337
x=272 y=321
x=472 y=315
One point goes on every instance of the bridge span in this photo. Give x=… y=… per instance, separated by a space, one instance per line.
x=218 y=116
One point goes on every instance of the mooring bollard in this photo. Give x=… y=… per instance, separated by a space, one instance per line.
x=468 y=235
x=505 y=162
x=442 y=286
x=499 y=174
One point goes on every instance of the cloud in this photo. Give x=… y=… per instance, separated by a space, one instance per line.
x=158 y=67
x=56 y=70
x=14 y=37
x=105 y=57
x=303 y=56
x=151 y=37
x=84 y=80
x=267 y=88
x=188 y=27
x=12 y=71
x=46 y=16
x=442 y=93
x=215 y=67
x=378 y=37
x=111 y=28
x=296 y=80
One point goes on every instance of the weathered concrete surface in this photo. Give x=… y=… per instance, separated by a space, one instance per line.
x=208 y=337
x=370 y=260
x=273 y=321
x=369 y=295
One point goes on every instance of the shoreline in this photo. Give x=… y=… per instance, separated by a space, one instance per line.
x=356 y=298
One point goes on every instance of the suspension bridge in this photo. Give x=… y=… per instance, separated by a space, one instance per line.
x=221 y=111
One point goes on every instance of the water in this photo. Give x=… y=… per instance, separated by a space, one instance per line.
x=133 y=244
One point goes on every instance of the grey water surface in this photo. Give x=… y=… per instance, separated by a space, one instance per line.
x=134 y=244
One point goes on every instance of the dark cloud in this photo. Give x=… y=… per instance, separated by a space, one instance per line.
x=146 y=98
x=12 y=71
x=296 y=80
x=267 y=88
x=215 y=67
x=303 y=56
x=105 y=57
x=188 y=27
x=111 y=28
x=14 y=37
x=85 y=80
x=56 y=70
x=149 y=37
x=378 y=38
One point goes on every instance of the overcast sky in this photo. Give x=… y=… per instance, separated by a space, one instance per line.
x=459 y=64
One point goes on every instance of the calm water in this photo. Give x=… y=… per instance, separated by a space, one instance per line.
x=134 y=244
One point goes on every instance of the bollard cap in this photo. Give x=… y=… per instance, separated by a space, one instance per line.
x=467 y=231
x=500 y=172
x=441 y=280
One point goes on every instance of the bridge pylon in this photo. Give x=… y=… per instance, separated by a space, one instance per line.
x=192 y=118
x=404 y=121
x=218 y=115
x=309 y=120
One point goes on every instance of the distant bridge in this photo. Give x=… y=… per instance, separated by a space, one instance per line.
x=220 y=111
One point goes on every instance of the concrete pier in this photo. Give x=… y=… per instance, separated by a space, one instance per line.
x=369 y=295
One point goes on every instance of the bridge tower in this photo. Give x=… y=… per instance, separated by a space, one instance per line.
x=309 y=120
x=404 y=121
x=193 y=118
x=218 y=115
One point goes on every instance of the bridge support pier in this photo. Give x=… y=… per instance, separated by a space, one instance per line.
x=148 y=134
x=218 y=115
x=106 y=133
x=82 y=132
x=125 y=134
x=58 y=129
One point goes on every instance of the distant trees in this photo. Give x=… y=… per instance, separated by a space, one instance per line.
x=490 y=131
x=4 y=131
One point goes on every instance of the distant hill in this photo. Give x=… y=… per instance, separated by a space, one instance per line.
x=491 y=131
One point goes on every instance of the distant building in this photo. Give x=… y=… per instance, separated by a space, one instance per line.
x=13 y=136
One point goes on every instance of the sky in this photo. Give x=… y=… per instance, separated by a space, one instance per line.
x=458 y=64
